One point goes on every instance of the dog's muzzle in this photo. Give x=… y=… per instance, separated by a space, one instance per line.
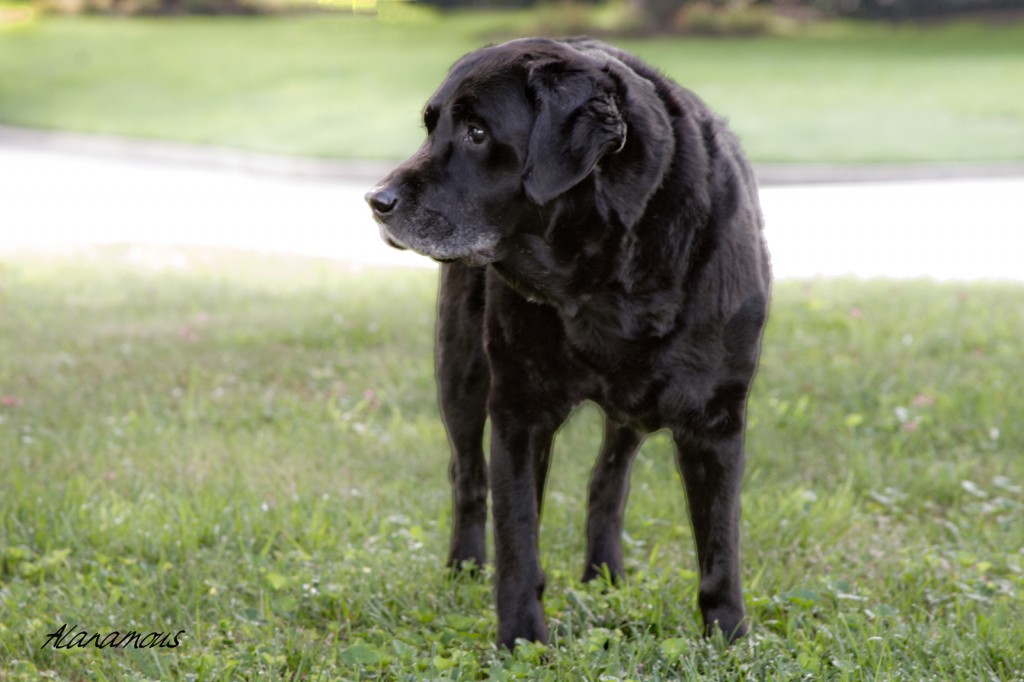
x=383 y=201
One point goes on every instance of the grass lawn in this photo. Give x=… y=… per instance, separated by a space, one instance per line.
x=248 y=449
x=343 y=86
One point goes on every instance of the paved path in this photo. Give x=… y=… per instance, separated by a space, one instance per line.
x=55 y=194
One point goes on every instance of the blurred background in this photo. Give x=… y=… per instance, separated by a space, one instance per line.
x=801 y=80
x=308 y=102
x=271 y=112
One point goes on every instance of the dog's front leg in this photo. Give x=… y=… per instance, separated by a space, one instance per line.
x=520 y=451
x=712 y=469
x=463 y=381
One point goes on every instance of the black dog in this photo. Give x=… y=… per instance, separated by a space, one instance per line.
x=601 y=240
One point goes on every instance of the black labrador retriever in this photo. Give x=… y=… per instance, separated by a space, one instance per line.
x=600 y=239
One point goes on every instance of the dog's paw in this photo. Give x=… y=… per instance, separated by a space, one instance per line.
x=468 y=551
x=611 y=575
x=731 y=623
x=470 y=568
x=528 y=623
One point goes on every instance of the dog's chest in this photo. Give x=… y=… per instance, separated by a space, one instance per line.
x=629 y=403
x=625 y=377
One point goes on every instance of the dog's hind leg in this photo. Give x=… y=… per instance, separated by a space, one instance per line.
x=463 y=380
x=609 y=488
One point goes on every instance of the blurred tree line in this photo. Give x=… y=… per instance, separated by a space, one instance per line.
x=908 y=9
x=735 y=17
x=661 y=10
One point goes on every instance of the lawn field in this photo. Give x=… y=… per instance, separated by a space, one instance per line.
x=247 y=449
x=354 y=86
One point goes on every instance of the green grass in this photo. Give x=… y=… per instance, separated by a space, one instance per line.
x=353 y=86
x=248 y=449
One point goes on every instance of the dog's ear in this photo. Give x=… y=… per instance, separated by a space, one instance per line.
x=625 y=184
x=576 y=122
x=597 y=117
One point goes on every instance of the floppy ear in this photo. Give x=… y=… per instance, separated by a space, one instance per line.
x=624 y=185
x=577 y=121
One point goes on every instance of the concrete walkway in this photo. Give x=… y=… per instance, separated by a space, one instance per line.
x=59 y=190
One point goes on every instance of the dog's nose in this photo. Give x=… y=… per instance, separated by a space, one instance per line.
x=382 y=200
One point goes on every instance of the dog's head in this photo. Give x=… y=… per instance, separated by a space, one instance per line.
x=512 y=129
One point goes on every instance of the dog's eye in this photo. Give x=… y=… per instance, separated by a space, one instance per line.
x=430 y=116
x=476 y=134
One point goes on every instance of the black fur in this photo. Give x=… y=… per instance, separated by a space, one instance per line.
x=602 y=240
